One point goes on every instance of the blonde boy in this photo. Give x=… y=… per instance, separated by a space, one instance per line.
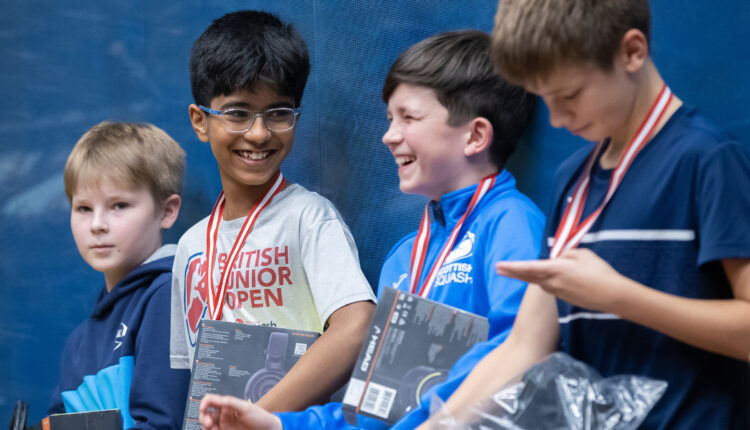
x=123 y=182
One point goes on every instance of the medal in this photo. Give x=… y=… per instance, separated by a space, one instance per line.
x=216 y=295
x=419 y=249
x=571 y=230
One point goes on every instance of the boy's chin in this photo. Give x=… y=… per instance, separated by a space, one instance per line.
x=258 y=179
x=406 y=189
x=588 y=134
x=415 y=189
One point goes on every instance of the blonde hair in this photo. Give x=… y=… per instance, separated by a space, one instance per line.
x=532 y=37
x=130 y=154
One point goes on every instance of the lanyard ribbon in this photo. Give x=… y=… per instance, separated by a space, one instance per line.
x=216 y=296
x=571 y=230
x=419 y=249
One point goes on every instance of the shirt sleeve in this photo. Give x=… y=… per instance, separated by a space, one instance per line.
x=723 y=203
x=328 y=416
x=331 y=264
x=515 y=235
x=178 y=340
x=56 y=405
x=157 y=393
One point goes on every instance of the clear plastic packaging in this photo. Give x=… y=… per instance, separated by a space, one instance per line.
x=560 y=393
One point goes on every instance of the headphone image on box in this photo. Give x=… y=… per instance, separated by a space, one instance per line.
x=264 y=379
x=416 y=382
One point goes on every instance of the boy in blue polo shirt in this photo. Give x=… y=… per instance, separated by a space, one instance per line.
x=649 y=238
x=453 y=124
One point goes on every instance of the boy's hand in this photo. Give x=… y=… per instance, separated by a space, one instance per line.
x=232 y=413
x=578 y=276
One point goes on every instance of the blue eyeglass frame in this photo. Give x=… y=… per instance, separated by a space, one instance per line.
x=220 y=113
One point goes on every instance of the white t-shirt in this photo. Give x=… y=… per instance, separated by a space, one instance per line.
x=298 y=265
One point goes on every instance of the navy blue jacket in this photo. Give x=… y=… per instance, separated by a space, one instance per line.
x=126 y=340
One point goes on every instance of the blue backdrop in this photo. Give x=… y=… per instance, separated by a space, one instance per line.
x=68 y=65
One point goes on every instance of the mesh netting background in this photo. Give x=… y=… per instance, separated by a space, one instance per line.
x=68 y=65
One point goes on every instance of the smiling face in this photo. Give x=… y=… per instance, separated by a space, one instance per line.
x=429 y=152
x=588 y=101
x=246 y=161
x=115 y=228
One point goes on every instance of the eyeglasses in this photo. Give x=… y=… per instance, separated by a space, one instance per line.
x=237 y=120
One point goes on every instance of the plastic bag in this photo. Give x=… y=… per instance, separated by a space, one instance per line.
x=560 y=393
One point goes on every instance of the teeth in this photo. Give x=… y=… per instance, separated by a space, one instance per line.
x=402 y=160
x=252 y=155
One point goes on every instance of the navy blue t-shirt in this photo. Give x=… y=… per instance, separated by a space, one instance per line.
x=683 y=205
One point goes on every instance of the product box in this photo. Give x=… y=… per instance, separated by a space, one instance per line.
x=109 y=419
x=241 y=360
x=411 y=346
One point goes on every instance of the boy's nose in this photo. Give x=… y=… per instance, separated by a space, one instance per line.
x=258 y=131
x=392 y=136
x=558 y=117
x=99 y=222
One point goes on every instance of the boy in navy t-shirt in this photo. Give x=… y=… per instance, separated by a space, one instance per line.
x=648 y=240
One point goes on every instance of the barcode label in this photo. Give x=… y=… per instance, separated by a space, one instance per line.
x=378 y=400
x=300 y=348
x=354 y=392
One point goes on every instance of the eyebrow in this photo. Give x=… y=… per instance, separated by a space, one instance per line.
x=567 y=89
x=77 y=200
x=245 y=105
x=412 y=109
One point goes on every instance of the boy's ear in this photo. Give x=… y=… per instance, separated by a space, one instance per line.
x=199 y=120
x=170 y=211
x=480 y=136
x=633 y=50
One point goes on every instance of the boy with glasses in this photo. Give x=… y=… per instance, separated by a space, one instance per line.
x=453 y=124
x=271 y=252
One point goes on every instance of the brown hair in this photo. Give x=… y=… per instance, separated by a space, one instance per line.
x=130 y=154
x=532 y=37
x=457 y=66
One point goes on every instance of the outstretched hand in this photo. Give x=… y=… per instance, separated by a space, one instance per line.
x=232 y=413
x=578 y=276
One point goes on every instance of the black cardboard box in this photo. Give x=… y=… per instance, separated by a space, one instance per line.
x=240 y=360
x=411 y=346
x=109 y=419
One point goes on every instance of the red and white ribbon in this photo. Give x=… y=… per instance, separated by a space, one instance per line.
x=419 y=249
x=571 y=230
x=216 y=295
